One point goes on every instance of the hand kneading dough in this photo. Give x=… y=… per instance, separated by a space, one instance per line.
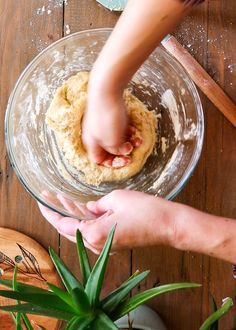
x=65 y=115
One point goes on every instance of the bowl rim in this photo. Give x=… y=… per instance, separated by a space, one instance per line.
x=196 y=98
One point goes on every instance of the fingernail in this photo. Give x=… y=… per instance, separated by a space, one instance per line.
x=91 y=206
x=136 y=142
x=120 y=161
x=125 y=149
x=96 y=159
x=131 y=130
x=108 y=161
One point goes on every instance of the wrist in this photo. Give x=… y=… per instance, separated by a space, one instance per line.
x=204 y=233
x=180 y=222
x=107 y=79
x=165 y=222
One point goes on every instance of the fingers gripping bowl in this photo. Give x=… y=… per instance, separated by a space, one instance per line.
x=161 y=83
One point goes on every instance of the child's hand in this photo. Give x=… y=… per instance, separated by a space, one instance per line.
x=105 y=126
x=105 y=122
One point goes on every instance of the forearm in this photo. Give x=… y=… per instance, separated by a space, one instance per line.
x=139 y=30
x=204 y=233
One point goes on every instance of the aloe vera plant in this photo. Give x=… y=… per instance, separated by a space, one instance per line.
x=80 y=305
x=212 y=321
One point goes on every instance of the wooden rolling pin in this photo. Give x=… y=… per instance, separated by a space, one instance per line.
x=201 y=78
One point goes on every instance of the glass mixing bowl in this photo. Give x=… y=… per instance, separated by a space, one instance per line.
x=161 y=83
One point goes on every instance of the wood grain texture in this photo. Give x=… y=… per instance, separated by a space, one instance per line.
x=24 y=32
x=202 y=79
x=209 y=33
x=221 y=141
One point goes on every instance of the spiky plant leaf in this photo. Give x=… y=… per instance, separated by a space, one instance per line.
x=63 y=295
x=18 y=322
x=81 y=301
x=26 y=321
x=228 y=303
x=79 y=323
x=37 y=310
x=136 y=273
x=14 y=285
x=69 y=280
x=42 y=300
x=94 y=283
x=214 y=326
x=113 y=299
x=133 y=302
x=13 y=316
x=103 y=322
x=24 y=288
x=14 y=282
x=85 y=267
x=24 y=317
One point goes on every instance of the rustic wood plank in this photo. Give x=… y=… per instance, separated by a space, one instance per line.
x=168 y=265
x=220 y=141
x=82 y=15
x=26 y=27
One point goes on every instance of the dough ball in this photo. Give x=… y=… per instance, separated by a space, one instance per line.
x=64 y=116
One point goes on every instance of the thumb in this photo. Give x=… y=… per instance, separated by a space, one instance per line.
x=123 y=150
x=69 y=226
x=102 y=205
x=96 y=153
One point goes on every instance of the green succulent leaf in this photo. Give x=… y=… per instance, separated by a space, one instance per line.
x=112 y=300
x=102 y=322
x=95 y=280
x=79 y=323
x=42 y=300
x=37 y=310
x=24 y=288
x=136 y=273
x=13 y=316
x=69 y=280
x=20 y=316
x=81 y=301
x=85 y=267
x=228 y=303
x=18 y=321
x=27 y=322
x=214 y=326
x=77 y=299
x=14 y=281
x=63 y=295
x=133 y=302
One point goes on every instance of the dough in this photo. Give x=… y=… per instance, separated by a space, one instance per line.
x=65 y=115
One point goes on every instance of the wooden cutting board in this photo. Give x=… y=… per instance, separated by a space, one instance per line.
x=35 y=268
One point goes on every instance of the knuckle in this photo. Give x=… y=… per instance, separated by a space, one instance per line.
x=96 y=238
x=115 y=194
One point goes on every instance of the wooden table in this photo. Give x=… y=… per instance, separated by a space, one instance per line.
x=28 y=26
